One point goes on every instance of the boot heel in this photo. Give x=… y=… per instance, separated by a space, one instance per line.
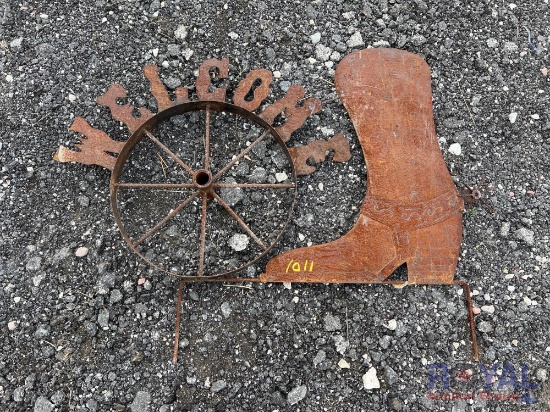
x=434 y=252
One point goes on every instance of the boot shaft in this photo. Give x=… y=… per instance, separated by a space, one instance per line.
x=387 y=93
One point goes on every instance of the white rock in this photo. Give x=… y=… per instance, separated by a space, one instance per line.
x=381 y=43
x=343 y=364
x=510 y=47
x=296 y=395
x=316 y=38
x=348 y=15
x=535 y=116
x=12 y=325
x=321 y=186
x=341 y=344
x=370 y=381
x=72 y=97
x=81 y=251
x=181 y=32
x=392 y=324
x=527 y=300
x=356 y=40
x=233 y=35
x=492 y=43
x=238 y=242
x=187 y=53
x=16 y=43
x=287 y=285
x=277 y=74
x=9 y=78
x=512 y=117
x=322 y=52
x=327 y=131
x=488 y=308
x=155 y=52
x=281 y=177
x=455 y=149
x=301 y=237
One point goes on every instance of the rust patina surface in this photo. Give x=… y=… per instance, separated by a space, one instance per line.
x=411 y=212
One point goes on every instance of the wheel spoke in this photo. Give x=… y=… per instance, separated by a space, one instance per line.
x=169 y=152
x=207 y=141
x=257 y=185
x=240 y=156
x=166 y=219
x=239 y=220
x=203 y=234
x=154 y=185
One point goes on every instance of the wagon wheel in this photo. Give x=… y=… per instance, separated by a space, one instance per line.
x=203 y=189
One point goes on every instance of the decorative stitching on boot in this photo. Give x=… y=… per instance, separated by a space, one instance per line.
x=402 y=216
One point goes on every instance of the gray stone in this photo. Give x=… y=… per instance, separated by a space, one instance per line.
x=526 y=235
x=296 y=394
x=173 y=50
x=173 y=231
x=103 y=318
x=226 y=309
x=141 y=402
x=193 y=295
x=180 y=32
x=42 y=404
x=341 y=344
x=385 y=341
x=218 y=386
x=19 y=394
x=242 y=169
x=238 y=242
x=258 y=175
x=61 y=254
x=322 y=52
x=505 y=229
x=285 y=85
x=541 y=374
x=355 y=40
x=15 y=44
x=42 y=331
x=116 y=296
x=418 y=40
x=83 y=201
x=320 y=357
x=390 y=376
x=172 y=82
x=231 y=195
x=58 y=397
x=105 y=283
x=33 y=264
x=332 y=323
x=510 y=47
x=90 y=327
x=315 y=38
x=485 y=327
x=492 y=42
x=381 y=43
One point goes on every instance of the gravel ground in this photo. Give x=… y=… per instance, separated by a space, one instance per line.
x=93 y=331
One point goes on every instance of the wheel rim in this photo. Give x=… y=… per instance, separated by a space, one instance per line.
x=210 y=253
